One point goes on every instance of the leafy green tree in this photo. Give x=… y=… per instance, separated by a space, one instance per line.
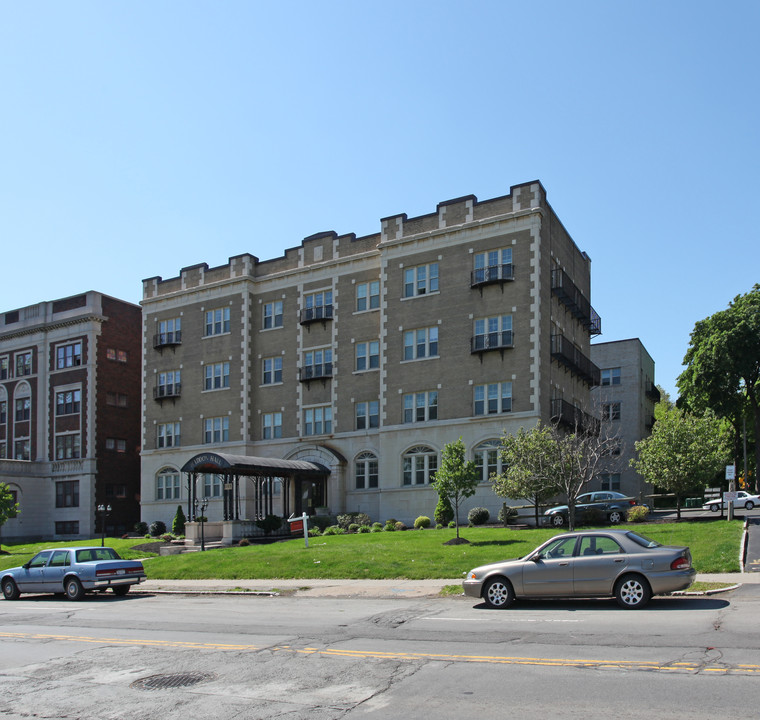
x=8 y=506
x=178 y=524
x=456 y=478
x=527 y=471
x=684 y=451
x=444 y=513
x=723 y=367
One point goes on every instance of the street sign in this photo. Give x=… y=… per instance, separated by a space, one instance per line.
x=730 y=472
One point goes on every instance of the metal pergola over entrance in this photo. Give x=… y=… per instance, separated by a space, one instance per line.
x=299 y=475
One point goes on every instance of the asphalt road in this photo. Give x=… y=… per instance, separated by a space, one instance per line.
x=291 y=657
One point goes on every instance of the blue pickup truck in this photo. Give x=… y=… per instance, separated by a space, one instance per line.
x=73 y=572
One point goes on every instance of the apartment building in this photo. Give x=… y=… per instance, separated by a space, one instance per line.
x=362 y=357
x=625 y=398
x=70 y=416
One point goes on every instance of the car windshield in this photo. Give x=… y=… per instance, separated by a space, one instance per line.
x=643 y=541
x=95 y=554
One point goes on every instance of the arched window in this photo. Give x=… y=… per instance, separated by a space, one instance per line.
x=488 y=458
x=167 y=484
x=366 y=471
x=420 y=462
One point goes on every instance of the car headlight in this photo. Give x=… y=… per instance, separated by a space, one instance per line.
x=471 y=575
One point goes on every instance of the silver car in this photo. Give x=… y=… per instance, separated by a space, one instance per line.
x=604 y=563
x=72 y=571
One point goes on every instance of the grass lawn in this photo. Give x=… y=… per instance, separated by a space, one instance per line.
x=411 y=554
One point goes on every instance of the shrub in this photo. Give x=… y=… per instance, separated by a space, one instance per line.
x=314 y=532
x=157 y=528
x=167 y=537
x=638 y=513
x=506 y=514
x=243 y=543
x=390 y=527
x=423 y=521
x=400 y=526
x=376 y=527
x=363 y=529
x=478 y=516
x=353 y=527
x=438 y=526
x=444 y=513
x=178 y=524
x=141 y=528
x=322 y=522
x=269 y=524
x=334 y=530
x=358 y=518
x=452 y=524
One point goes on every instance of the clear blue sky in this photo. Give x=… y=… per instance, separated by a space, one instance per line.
x=137 y=138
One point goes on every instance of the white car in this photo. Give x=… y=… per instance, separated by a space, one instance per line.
x=743 y=499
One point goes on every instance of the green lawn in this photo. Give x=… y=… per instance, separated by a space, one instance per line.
x=410 y=554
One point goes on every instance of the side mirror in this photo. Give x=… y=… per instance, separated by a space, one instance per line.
x=26 y=564
x=538 y=557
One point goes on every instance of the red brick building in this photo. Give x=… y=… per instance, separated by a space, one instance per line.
x=70 y=409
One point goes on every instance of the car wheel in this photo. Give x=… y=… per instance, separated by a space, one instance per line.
x=74 y=589
x=121 y=590
x=615 y=517
x=498 y=593
x=749 y=505
x=632 y=592
x=10 y=590
x=558 y=520
x=714 y=507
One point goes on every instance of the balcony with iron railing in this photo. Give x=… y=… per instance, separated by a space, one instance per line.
x=492 y=274
x=167 y=339
x=323 y=371
x=571 y=416
x=492 y=341
x=575 y=301
x=167 y=392
x=568 y=355
x=653 y=393
x=319 y=313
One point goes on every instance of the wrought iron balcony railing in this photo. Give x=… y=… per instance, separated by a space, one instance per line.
x=319 y=313
x=167 y=339
x=492 y=341
x=315 y=372
x=492 y=274
x=163 y=392
x=568 y=355
x=575 y=301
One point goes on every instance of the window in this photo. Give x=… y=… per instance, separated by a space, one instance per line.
x=611 y=376
x=317 y=306
x=68 y=402
x=167 y=485
x=217 y=376
x=117 y=491
x=488 y=459
x=493 y=332
x=68 y=355
x=368 y=296
x=493 y=265
x=272 y=371
x=599 y=545
x=24 y=364
x=3 y=412
x=317 y=420
x=367 y=355
x=271 y=425
x=116 y=444
x=273 y=315
x=169 y=332
x=168 y=435
x=116 y=399
x=421 y=280
x=367 y=415
x=217 y=321
x=493 y=398
x=611 y=481
x=611 y=411
x=420 y=407
x=67 y=527
x=420 y=464
x=67 y=447
x=169 y=384
x=317 y=364
x=67 y=494
x=22 y=449
x=421 y=343
x=4 y=369
x=3 y=450
x=116 y=355
x=366 y=471
x=216 y=430
x=212 y=486
x=23 y=409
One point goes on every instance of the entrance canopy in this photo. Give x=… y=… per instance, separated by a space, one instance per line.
x=245 y=465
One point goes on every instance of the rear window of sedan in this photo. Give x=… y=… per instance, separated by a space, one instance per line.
x=643 y=541
x=94 y=554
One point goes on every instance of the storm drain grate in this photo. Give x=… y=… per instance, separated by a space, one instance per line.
x=175 y=680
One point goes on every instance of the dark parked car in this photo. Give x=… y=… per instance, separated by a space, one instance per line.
x=72 y=571
x=599 y=506
x=602 y=563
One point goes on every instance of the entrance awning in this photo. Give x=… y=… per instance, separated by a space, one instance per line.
x=247 y=465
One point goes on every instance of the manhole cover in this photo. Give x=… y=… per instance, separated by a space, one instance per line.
x=162 y=682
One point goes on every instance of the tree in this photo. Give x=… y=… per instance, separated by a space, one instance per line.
x=444 y=513
x=551 y=460
x=684 y=451
x=723 y=367
x=527 y=471
x=457 y=478
x=8 y=506
x=178 y=524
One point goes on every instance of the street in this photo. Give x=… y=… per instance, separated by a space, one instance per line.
x=262 y=657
